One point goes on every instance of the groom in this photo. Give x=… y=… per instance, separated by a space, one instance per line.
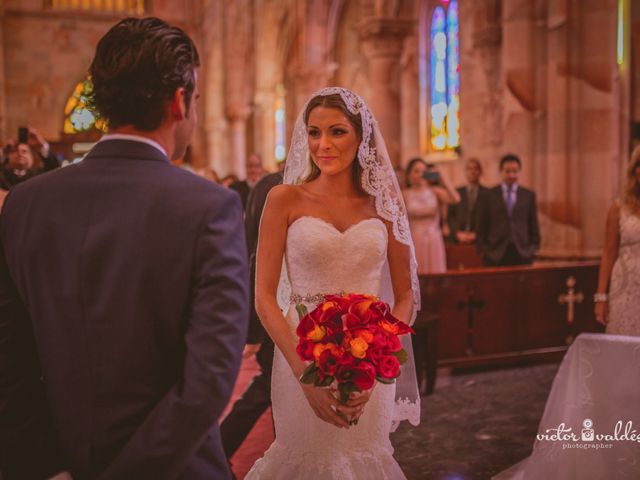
x=123 y=287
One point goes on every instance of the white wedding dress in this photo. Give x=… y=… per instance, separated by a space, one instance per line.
x=321 y=259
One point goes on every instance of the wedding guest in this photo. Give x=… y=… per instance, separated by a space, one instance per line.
x=123 y=286
x=462 y=216
x=22 y=161
x=257 y=398
x=507 y=230
x=427 y=189
x=620 y=264
x=255 y=172
x=228 y=180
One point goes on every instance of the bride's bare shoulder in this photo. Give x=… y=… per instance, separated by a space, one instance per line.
x=283 y=194
x=282 y=199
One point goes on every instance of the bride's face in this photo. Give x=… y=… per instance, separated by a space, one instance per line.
x=333 y=141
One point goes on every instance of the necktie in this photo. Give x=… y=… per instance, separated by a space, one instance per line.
x=473 y=195
x=510 y=199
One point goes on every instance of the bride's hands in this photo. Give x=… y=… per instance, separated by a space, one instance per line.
x=324 y=404
x=358 y=400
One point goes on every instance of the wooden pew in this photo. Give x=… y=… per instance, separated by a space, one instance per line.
x=504 y=314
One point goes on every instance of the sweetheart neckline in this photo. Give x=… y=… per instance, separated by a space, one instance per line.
x=331 y=225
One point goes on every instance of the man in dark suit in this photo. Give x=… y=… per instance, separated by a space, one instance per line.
x=257 y=398
x=507 y=222
x=123 y=287
x=255 y=171
x=462 y=216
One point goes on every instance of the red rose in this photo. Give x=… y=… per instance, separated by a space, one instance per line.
x=374 y=354
x=379 y=341
x=388 y=367
x=364 y=375
x=305 y=349
x=328 y=363
x=344 y=371
x=393 y=343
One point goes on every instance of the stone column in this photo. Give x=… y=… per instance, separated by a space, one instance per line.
x=268 y=75
x=382 y=44
x=212 y=89
x=238 y=54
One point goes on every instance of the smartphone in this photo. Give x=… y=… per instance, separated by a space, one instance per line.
x=432 y=177
x=23 y=134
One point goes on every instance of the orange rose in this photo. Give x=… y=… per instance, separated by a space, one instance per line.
x=317 y=333
x=321 y=347
x=365 y=335
x=358 y=347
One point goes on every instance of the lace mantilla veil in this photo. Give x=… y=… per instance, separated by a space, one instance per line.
x=378 y=180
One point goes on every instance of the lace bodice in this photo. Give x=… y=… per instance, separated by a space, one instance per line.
x=322 y=259
x=624 y=290
x=629 y=229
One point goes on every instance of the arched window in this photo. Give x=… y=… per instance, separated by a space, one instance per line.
x=280 y=151
x=440 y=78
x=127 y=7
x=78 y=118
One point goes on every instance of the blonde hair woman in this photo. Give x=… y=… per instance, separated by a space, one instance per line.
x=620 y=264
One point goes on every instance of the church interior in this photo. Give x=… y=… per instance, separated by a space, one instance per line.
x=555 y=83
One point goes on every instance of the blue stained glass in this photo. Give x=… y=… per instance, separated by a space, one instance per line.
x=445 y=76
x=453 y=52
x=438 y=55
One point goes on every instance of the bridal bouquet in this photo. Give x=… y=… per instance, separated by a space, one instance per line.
x=351 y=340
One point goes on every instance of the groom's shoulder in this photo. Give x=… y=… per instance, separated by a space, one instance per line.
x=200 y=188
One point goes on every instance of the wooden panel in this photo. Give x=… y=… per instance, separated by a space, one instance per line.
x=516 y=310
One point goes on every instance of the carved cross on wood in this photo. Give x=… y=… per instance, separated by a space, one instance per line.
x=570 y=299
x=471 y=305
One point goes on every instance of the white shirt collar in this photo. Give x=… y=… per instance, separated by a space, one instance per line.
x=133 y=138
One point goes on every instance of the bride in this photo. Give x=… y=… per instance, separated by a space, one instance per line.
x=340 y=224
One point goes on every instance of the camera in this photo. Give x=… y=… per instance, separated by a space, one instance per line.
x=23 y=134
x=432 y=177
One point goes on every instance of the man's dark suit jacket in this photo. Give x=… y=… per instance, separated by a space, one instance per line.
x=458 y=215
x=253 y=214
x=495 y=230
x=243 y=189
x=131 y=276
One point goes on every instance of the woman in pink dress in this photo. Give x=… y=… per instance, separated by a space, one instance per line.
x=427 y=190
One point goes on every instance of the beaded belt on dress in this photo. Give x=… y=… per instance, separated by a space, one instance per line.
x=310 y=298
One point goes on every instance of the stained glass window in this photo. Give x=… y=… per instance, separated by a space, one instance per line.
x=78 y=117
x=280 y=151
x=130 y=7
x=444 y=94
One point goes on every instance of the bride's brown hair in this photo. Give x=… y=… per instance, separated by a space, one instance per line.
x=631 y=192
x=335 y=101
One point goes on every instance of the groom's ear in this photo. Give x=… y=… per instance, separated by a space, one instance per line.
x=177 y=106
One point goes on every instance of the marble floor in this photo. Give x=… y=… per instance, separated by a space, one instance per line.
x=476 y=424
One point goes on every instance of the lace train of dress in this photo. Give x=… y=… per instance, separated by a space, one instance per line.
x=624 y=292
x=321 y=259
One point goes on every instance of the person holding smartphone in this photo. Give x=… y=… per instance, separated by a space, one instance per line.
x=25 y=158
x=427 y=191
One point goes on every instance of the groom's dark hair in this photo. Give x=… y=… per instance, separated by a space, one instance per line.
x=138 y=65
